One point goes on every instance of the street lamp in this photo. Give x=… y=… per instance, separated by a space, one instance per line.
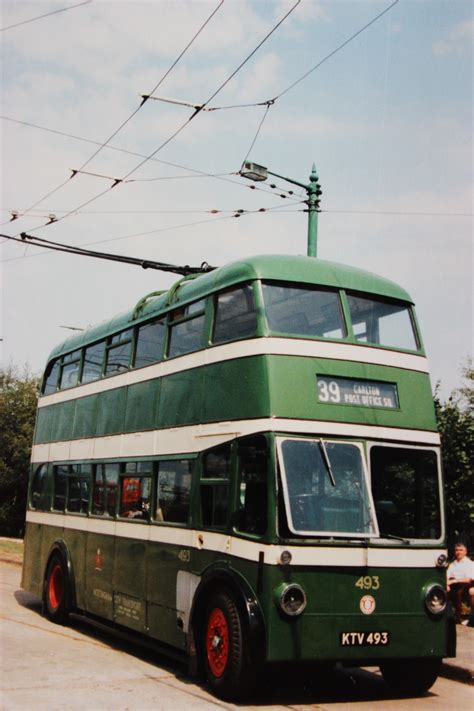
x=258 y=173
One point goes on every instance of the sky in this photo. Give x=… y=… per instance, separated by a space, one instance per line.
x=387 y=119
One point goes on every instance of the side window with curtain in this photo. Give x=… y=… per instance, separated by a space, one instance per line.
x=173 y=491
x=104 y=493
x=79 y=482
x=215 y=486
x=135 y=498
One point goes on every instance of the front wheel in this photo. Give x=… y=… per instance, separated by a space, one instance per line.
x=229 y=670
x=55 y=593
x=411 y=676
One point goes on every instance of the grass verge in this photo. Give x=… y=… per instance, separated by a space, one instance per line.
x=11 y=551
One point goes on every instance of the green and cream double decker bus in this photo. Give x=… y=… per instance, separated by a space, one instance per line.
x=245 y=469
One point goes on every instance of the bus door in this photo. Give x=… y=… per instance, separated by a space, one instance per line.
x=101 y=541
x=169 y=550
x=131 y=545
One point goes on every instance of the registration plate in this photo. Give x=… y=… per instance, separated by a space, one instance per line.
x=364 y=639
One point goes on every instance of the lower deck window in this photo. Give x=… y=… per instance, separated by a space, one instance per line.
x=105 y=489
x=173 y=491
x=136 y=491
x=40 y=499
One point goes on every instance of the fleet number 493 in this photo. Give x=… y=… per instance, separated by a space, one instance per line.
x=368 y=582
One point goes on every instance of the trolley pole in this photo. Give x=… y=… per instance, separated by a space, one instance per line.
x=258 y=173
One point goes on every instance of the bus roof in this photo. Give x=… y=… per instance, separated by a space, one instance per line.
x=286 y=268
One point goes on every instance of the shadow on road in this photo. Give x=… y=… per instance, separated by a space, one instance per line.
x=283 y=685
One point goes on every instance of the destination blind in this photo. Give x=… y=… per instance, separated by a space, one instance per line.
x=364 y=393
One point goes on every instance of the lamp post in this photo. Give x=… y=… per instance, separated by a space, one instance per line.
x=258 y=173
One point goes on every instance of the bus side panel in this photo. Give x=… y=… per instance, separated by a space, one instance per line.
x=76 y=542
x=164 y=562
x=130 y=573
x=99 y=568
x=33 y=571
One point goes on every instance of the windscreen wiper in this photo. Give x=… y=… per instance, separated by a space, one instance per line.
x=323 y=449
x=392 y=537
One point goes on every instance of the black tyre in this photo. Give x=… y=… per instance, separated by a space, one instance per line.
x=56 y=590
x=411 y=677
x=229 y=668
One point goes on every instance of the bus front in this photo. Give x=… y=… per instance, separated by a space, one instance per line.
x=359 y=575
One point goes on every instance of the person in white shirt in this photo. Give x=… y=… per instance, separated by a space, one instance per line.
x=461 y=581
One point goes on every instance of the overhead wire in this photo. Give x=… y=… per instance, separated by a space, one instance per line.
x=198 y=173
x=118 y=181
x=203 y=106
x=214 y=94
x=235 y=214
x=104 y=144
x=336 y=50
x=47 y=14
x=165 y=75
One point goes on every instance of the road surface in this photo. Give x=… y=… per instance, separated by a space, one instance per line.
x=46 y=667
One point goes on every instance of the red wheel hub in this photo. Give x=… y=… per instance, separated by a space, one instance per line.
x=217 y=642
x=55 y=587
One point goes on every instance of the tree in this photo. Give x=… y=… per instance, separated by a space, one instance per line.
x=18 y=398
x=456 y=427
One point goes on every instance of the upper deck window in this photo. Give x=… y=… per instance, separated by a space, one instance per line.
x=51 y=378
x=186 y=329
x=71 y=365
x=235 y=315
x=383 y=323
x=150 y=341
x=119 y=349
x=303 y=311
x=93 y=359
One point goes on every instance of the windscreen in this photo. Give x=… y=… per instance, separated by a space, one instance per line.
x=325 y=488
x=406 y=491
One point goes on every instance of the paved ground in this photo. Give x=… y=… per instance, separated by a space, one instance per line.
x=50 y=668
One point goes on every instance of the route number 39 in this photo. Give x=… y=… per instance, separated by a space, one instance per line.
x=329 y=391
x=368 y=582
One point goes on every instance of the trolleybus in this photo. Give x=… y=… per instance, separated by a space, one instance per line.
x=245 y=469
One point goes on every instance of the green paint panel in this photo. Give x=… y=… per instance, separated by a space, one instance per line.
x=63 y=421
x=111 y=412
x=86 y=416
x=236 y=390
x=181 y=398
x=130 y=566
x=99 y=569
x=142 y=406
x=32 y=573
x=292 y=384
x=76 y=542
x=44 y=424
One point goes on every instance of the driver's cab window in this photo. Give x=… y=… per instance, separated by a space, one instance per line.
x=252 y=486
